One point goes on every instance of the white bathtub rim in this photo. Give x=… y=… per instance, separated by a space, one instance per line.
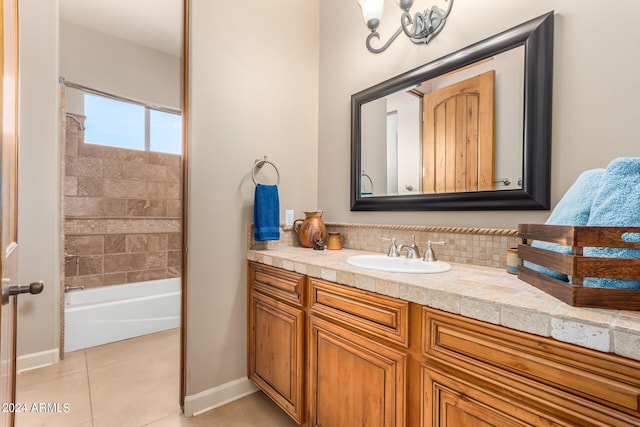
x=91 y=324
x=79 y=307
x=92 y=295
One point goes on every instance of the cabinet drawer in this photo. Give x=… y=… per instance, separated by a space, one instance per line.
x=542 y=368
x=282 y=284
x=448 y=401
x=379 y=315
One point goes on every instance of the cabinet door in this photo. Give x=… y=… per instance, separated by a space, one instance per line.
x=452 y=402
x=276 y=363
x=354 y=381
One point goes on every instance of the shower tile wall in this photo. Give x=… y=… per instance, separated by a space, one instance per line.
x=122 y=213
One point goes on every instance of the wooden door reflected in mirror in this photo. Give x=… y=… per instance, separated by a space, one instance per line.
x=458 y=136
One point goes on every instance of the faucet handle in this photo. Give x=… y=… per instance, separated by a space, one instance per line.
x=414 y=246
x=393 y=249
x=429 y=255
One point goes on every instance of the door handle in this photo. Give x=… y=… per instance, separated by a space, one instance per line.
x=8 y=289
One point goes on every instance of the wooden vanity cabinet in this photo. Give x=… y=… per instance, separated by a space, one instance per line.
x=276 y=337
x=357 y=376
x=354 y=381
x=480 y=374
x=332 y=356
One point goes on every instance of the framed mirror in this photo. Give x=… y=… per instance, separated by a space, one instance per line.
x=468 y=131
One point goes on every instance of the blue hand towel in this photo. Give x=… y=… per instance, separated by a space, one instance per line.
x=617 y=204
x=266 y=213
x=572 y=209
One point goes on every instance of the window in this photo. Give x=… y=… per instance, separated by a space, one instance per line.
x=165 y=132
x=114 y=123
x=119 y=123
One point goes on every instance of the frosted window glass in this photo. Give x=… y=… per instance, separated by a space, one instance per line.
x=114 y=123
x=166 y=132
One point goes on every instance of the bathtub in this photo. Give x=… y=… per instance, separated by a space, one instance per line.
x=113 y=313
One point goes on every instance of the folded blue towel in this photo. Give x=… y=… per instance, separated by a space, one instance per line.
x=575 y=206
x=572 y=209
x=266 y=213
x=617 y=204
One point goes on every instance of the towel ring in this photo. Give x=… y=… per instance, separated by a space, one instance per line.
x=364 y=175
x=258 y=164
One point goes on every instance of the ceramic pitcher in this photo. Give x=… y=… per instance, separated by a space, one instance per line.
x=310 y=229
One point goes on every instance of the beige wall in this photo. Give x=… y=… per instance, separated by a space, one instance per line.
x=254 y=92
x=118 y=67
x=595 y=82
x=38 y=200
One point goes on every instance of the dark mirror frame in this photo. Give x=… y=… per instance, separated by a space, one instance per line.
x=536 y=36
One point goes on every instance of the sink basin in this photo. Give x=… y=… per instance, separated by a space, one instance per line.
x=397 y=265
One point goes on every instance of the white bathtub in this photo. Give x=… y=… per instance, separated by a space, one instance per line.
x=113 y=313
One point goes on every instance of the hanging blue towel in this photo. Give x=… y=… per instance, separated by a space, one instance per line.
x=617 y=204
x=572 y=209
x=266 y=213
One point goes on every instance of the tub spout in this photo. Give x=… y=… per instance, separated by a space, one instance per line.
x=69 y=288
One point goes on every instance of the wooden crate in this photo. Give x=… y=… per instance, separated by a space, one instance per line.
x=578 y=266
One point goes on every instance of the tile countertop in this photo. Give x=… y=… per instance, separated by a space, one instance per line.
x=483 y=293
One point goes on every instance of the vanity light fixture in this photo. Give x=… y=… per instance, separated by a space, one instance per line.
x=421 y=28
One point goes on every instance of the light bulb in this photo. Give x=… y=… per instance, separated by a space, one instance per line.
x=371 y=12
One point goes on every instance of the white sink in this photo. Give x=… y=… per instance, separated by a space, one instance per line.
x=398 y=264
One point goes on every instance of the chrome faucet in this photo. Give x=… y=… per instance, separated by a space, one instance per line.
x=69 y=257
x=69 y=288
x=429 y=255
x=413 y=251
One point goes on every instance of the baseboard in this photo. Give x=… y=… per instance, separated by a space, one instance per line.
x=41 y=359
x=217 y=396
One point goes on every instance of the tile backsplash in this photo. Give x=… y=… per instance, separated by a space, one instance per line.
x=477 y=246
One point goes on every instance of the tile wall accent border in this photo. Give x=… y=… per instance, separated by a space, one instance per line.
x=430 y=228
x=477 y=246
x=84 y=226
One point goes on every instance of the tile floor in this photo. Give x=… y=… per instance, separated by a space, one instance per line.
x=131 y=383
